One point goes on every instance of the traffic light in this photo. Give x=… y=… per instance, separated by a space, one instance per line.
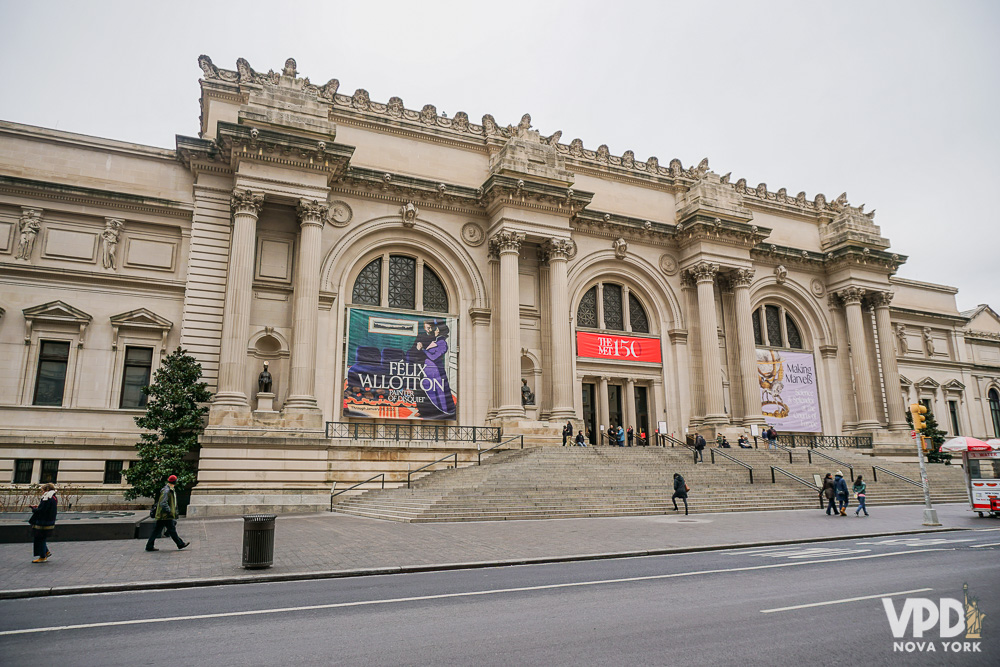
x=919 y=421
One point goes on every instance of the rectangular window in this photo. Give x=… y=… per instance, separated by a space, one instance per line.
x=50 y=380
x=953 y=409
x=50 y=471
x=22 y=470
x=138 y=363
x=113 y=472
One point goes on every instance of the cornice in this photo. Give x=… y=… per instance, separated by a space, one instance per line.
x=700 y=227
x=600 y=223
x=897 y=310
x=77 y=277
x=780 y=254
x=240 y=142
x=75 y=194
x=982 y=335
x=861 y=256
x=85 y=140
x=907 y=282
x=500 y=189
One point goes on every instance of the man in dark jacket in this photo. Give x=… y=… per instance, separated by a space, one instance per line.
x=827 y=495
x=166 y=516
x=699 y=448
x=840 y=486
x=680 y=491
x=43 y=520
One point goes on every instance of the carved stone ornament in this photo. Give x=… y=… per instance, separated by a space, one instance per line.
x=668 y=264
x=312 y=212
x=621 y=248
x=742 y=277
x=780 y=274
x=289 y=69
x=473 y=234
x=507 y=241
x=817 y=288
x=851 y=295
x=28 y=226
x=880 y=299
x=246 y=202
x=560 y=248
x=704 y=272
x=902 y=345
x=409 y=214
x=340 y=213
x=109 y=242
x=928 y=341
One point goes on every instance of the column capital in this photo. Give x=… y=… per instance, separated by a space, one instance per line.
x=312 y=212
x=704 y=272
x=851 y=295
x=245 y=201
x=880 y=299
x=506 y=242
x=742 y=277
x=559 y=249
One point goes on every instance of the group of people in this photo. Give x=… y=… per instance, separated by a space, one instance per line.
x=837 y=496
x=617 y=436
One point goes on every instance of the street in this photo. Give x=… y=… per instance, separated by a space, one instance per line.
x=817 y=603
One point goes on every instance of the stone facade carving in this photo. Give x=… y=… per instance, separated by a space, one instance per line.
x=742 y=277
x=851 y=295
x=340 y=213
x=312 y=212
x=703 y=272
x=817 y=288
x=880 y=299
x=409 y=213
x=109 y=242
x=780 y=274
x=245 y=201
x=668 y=264
x=928 y=342
x=562 y=248
x=621 y=247
x=506 y=241
x=473 y=234
x=29 y=226
x=902 y=345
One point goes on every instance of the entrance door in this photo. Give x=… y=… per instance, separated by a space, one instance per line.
x=589 y=413
x=615 y=405
x=641 y=412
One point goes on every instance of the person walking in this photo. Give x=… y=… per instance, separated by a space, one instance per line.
x=772 y=437
x=580 y=440
x=859 y=493
x=621 y=436
x=840 y=485
x=828 y=493
x=166 y=516
x=699 y=448
x=630 y=434
x=567 y=432
x=680 y=491
x=43 y=521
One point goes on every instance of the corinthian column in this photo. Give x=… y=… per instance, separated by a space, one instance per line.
x=704 y=275
x=558 y=251
x=236 y=315
x=508 y=245
x=302 y=386
x=851 y=297
x=887 y=351
x=745 y=347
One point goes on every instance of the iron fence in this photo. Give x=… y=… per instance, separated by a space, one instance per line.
x=834 y=441
x=434 y=432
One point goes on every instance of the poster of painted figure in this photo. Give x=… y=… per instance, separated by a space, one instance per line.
x=788 y=395
x=400 y=366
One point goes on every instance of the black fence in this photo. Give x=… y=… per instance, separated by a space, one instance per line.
x=436 y=433
x=834 y=441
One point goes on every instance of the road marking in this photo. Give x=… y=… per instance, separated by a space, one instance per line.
x=985 y=530
x=809 y=552
x=443 y=596
x=980 y=546
x=863 y=597
x=916 y=541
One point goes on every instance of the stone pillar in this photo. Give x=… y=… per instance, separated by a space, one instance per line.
x=508 y=244
x=851 y=298
x=603 y=413
x=302 y=385
x=559 y=251
x=746 y=349
x=483 y=370
x=890 y=368
x=628 y=416
x=704 y=275
x=239 y=291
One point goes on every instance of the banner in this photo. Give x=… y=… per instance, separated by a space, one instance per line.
x=400 y=366
x=622 y=348
x=788 y=396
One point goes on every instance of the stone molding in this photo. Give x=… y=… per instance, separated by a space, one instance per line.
x=704 y=272
x=55 y=312
x=312 y=212
x=246 y=202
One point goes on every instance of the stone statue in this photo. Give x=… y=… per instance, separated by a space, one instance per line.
x=264 y=381
x=903 y=346
x=928 y=341
x=780 y=274
x=621 y=248
x=527 y=396
x=109 y=240
x=29 y=226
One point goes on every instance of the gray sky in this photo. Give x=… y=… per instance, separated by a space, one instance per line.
x=893 y=102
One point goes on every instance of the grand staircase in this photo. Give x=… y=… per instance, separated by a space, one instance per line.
x=569 y=482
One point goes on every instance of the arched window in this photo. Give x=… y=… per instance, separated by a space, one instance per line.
x=401 y=287
x=994 y=400
x=605 y=306
x=769 y=332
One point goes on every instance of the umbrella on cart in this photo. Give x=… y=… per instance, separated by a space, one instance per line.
x=966 y=444
x=995 y=442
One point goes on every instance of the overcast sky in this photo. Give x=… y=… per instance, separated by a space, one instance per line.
x=895 y=103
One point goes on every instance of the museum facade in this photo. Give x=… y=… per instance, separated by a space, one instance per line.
x=402 y=267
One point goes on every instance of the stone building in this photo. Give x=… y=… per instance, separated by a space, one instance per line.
x=416 y=270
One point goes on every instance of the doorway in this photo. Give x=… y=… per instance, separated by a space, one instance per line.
x=589 y=412
x=641 y=412
x=614 y=405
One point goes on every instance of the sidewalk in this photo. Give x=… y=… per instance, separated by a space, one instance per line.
x=326 y=545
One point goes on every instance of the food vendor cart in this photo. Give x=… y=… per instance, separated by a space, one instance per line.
x=984 y=492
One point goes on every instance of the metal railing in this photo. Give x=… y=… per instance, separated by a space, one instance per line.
x=335 y=492
x=780 y=447
x=481 y=451
x=834 y=441
x=793 y=477
x=434 y=432
x=409 y=472
x=734 y=460
x=875 y=470
x=830 y=458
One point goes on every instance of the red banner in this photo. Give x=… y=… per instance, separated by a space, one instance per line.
x=622 y=348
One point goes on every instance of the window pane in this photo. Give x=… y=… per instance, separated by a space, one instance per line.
x=142 y=356
x=794 y=339
x=953 y=409
x=50 y=471
x=995 y=411
x=113 y=472
x=402 y=282
x=368 y=285
x=22 y=470
x=50 y=380
x=758 y=337
x=586 y=314
x=136 y=377
x=435 y=298
x=637 y=315
x=613 y=318
x=773 y=326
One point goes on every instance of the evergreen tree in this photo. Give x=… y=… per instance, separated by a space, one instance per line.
x=173 y=421
x=933 y=433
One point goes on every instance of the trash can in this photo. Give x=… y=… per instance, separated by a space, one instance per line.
x=258 y=540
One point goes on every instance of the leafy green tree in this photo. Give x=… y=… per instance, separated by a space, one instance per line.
x=173 y=421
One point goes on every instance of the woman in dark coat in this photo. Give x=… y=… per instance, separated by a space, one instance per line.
x=43 y=521
x=828 y=493
x=680 y=491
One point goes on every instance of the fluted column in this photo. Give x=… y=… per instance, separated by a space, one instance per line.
x=704 y=275
x=558 y=251
x=302 y=385
x=628 y=418
x=851 y=298
x=746 y=349
x=603 y=411
x=239 y=285
x=508 y=246
x=887 y=351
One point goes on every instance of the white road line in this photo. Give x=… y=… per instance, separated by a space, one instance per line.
x=991 y=544
x=363 y=603
x=863 y=597
x=985 y=530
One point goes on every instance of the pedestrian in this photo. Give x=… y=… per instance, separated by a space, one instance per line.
x=743 y=442
x=772 y=437
x=699 y=448
x=642 y=439
x=680 y=491
x=567 y=432
x=580 y=440
x=842 y=493
x=827 y=493
x=859 y=493
x=725 y=443
x=631 y=434
x=43 y=521
x=621 y=436
x=166 y=516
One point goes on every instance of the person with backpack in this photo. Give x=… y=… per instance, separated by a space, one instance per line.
x=772 y=437
x=840 y=486
x=165 y=513
x=859 y=493
x=699 y=448
x=828 y=493
x=680 y=491
x=43 y=521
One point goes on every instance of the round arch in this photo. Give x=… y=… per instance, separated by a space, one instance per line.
x=799 y=302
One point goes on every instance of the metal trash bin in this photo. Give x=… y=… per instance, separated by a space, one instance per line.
x=258 y=540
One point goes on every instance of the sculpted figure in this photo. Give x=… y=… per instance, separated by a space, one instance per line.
x=109 y=242
x=527 y=396
x=264 y=381
x=29 y=226
x=901 y=344
x=928 y=341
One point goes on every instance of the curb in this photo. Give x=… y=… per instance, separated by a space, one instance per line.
x=411 y=569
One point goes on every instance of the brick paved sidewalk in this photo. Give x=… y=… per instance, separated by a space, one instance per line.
x=335 y=542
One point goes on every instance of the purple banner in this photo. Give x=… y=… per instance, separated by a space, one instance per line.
x=788 y=396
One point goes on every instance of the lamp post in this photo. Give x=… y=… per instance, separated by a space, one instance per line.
x=919 y=424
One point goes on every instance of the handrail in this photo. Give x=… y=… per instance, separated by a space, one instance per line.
x=443 y=458
x=734 y=460
x=482 y=451
x=875 y=470
x=826 y=456
x=335 y=492
x=794 y=477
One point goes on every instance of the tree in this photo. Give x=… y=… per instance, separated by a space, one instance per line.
x=933 y=433
x=173 y=421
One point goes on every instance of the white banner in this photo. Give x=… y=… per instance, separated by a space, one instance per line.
x=789 y=399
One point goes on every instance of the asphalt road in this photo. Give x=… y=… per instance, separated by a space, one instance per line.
x=766 y=606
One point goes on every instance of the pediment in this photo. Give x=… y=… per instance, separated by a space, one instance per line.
x=954 y=385
x=928 y=383
x=56 y=311
x=905 y=381
x=985 y=319
x=141 y=318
